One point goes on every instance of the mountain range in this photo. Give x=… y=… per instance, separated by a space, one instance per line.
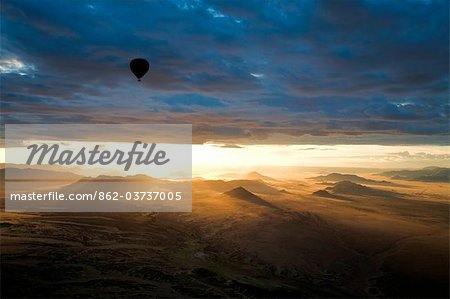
x=427 y=174
x=336 y=177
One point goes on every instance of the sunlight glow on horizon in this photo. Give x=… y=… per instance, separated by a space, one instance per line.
x=215 y=159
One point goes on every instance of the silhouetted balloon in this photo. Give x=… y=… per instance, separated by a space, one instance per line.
x=139 y=67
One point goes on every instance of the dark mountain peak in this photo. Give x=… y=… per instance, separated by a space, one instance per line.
x=336 y=177
x=349 y=184
x=240 y=191
x=245 y=195
x=347 y=187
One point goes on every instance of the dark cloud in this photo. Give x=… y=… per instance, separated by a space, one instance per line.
x=249 y=70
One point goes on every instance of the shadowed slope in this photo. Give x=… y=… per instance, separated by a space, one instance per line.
x=324 y=193
x=245 y=195
x=347 y=187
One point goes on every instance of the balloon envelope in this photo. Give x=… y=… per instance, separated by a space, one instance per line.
x=139 y=67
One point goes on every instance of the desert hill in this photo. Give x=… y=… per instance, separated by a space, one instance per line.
x=336 y=177
x=350 y=188
x=245 y=195
x=427 y=174
x=256 y=186
x=324 y=193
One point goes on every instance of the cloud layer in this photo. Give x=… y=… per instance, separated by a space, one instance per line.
x=240 y=72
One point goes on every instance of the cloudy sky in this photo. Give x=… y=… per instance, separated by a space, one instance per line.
x=242 y=72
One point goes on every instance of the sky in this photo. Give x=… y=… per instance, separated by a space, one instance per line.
x=241 y=72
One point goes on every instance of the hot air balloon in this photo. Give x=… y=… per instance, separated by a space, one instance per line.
x=139 y=67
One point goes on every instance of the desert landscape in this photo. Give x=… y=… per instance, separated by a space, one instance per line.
x=328 y=234
x=309 y=139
